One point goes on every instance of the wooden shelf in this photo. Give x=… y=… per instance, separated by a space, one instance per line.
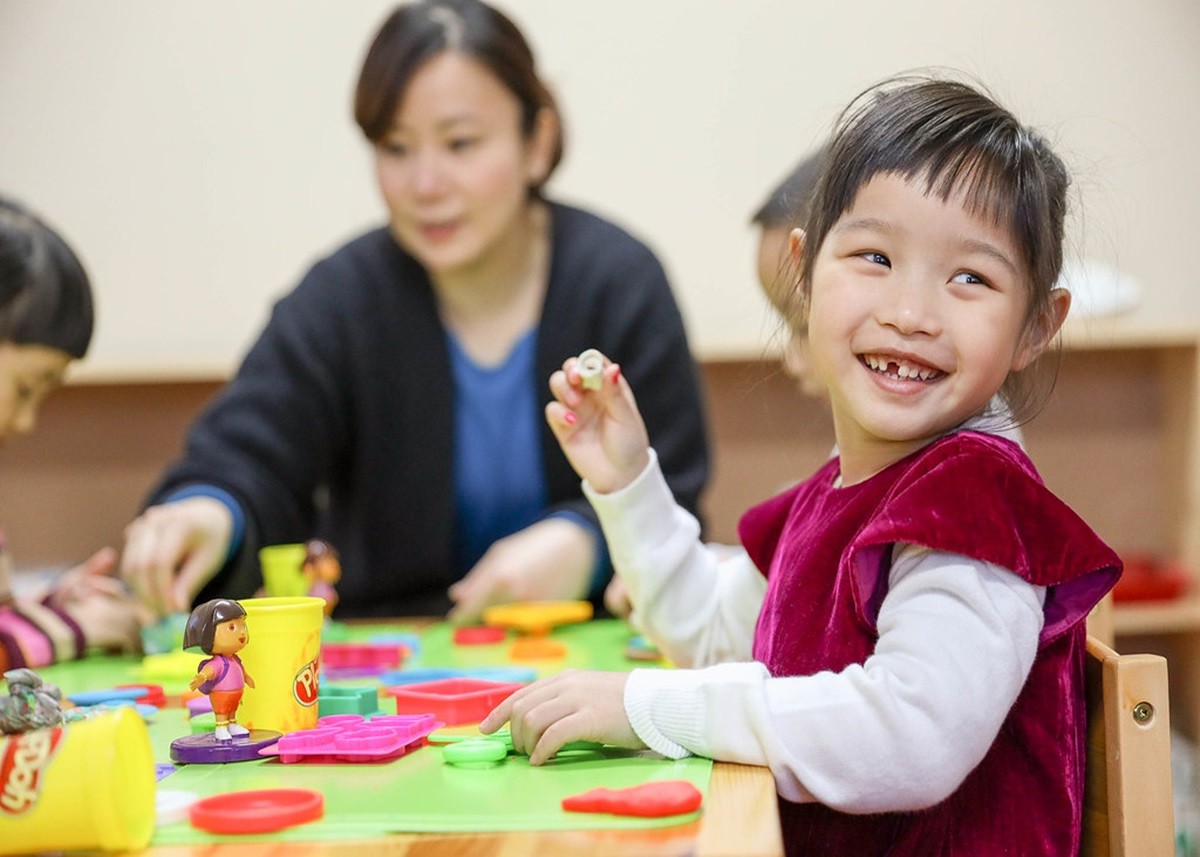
x=1165 y=617
x=115 y=373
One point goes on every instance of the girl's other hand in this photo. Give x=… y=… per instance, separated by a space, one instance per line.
x=571 y=706
x=172 y=550
x=600 y=431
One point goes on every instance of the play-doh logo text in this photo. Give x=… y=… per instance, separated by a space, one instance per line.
x=23 y=762
x=305 y=686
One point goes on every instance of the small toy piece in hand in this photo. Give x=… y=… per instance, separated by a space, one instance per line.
x=31 y=703
x=591 y=369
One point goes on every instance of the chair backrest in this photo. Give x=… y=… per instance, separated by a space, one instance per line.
x=1128 y=807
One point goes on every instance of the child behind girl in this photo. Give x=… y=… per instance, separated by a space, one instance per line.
x=903 y=641
x=785 y=206
x=46 y=321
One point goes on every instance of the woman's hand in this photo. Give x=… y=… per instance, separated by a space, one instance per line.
x=551 y=560
x=600 y=431
x=172 y=550
x=571 y=706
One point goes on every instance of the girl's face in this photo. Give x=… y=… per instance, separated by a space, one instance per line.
x=28 y=373
x=916 y=318
x=230 y=637
x=455 y=167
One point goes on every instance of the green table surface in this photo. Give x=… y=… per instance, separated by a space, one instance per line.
x=417 y=792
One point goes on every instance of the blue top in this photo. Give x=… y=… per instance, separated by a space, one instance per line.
x=499 y=486
x=499 y=483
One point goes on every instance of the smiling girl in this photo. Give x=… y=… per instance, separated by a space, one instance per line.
x=904 y=637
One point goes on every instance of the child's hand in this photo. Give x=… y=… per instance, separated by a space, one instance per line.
x=96 y=575
x=550 y=560
x=571 y=706
x=108 y=615
x=173 y=549
x=600 y=431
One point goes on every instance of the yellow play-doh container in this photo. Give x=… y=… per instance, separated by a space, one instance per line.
x=282 y=570
x=87 y=785
x=282 y=656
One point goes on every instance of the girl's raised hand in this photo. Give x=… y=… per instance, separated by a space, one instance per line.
x=599 y=430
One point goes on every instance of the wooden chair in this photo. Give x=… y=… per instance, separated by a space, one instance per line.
x=1128 y=809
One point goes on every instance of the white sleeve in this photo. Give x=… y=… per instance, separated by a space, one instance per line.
x=901 y=731
x=698 y=604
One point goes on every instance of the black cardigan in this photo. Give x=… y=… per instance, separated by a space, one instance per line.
x=339 y=422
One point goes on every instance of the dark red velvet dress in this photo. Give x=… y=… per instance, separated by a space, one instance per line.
x=826 y=553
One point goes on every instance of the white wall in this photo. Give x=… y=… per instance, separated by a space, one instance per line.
x=202 y=155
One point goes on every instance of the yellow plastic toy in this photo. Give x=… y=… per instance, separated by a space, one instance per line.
x=537 y=617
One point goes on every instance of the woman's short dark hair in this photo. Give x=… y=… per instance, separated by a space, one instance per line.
x=415 y=33
x=45 y=295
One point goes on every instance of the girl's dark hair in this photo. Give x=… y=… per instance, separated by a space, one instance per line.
x=45 y=295
x=202 y=622
x=954 y=138
x=417 y=32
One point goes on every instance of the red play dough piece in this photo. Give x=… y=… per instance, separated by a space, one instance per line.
x=478 y=635
x=664 y=797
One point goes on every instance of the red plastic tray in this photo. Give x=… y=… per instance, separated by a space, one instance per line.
x=452 y=700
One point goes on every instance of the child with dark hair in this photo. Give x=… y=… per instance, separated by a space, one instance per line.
x=903 y=641
x=46 y=318
x=785 y=209
x=218 y=628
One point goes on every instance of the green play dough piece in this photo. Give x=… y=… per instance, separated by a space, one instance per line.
x=475 y=752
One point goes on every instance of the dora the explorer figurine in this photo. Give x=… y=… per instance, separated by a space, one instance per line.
x=218 y=627
x=322 y=569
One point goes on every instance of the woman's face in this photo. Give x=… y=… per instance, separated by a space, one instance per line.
x=455 y=168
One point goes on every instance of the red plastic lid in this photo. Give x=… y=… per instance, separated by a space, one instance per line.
x=257 y=811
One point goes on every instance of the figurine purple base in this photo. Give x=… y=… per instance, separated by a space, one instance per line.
x=207 y=749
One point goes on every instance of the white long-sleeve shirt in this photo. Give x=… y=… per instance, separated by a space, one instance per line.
x=957 y=639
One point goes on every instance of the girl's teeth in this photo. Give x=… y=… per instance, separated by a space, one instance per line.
x=901 y=370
